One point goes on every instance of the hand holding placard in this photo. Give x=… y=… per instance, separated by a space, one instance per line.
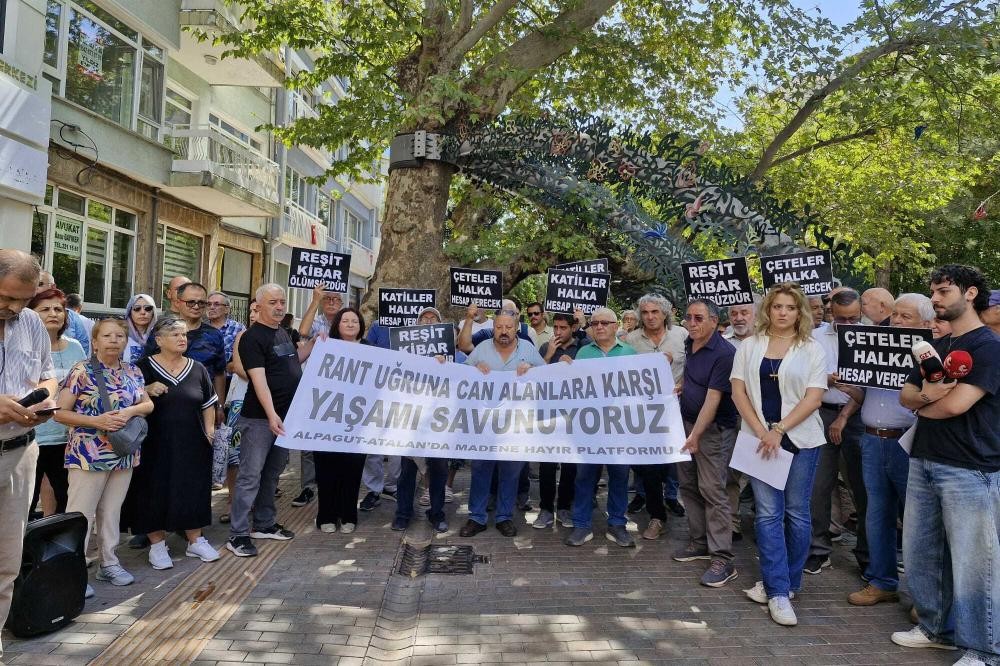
x=773 y=471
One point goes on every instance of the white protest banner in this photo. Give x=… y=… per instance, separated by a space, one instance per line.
x=357 y=398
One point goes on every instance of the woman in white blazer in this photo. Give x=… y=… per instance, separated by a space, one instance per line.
x=779 y=376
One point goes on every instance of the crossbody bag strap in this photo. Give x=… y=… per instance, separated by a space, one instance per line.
x=102 y=387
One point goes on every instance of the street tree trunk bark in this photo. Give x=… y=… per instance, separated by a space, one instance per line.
x=411 y=254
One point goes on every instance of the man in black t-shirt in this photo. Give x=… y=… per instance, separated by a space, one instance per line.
x=950 y=530
x=274 y=367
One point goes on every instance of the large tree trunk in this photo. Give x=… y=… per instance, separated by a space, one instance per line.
x=411 y=255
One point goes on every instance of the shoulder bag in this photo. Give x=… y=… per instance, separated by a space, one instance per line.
x=126 y=440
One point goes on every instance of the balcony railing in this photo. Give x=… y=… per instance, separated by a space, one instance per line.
x=206 y=148
x=302 y=228
x=301 y=108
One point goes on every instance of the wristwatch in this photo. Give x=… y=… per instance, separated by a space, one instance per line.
x=778 y=427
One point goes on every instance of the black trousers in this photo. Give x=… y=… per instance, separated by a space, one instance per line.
x=51 y=458
x=547 y=485
x=338 y=479
x=653 y=477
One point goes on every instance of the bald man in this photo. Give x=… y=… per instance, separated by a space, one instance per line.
x=876 y=305
x=175 y=283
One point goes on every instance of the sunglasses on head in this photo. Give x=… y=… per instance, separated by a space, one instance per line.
x=142 y=308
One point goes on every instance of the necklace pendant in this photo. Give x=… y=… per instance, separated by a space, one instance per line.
x=773 y=375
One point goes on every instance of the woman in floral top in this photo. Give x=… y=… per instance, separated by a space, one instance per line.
x=99 y=479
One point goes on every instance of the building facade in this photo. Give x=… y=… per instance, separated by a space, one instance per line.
x=144 y=161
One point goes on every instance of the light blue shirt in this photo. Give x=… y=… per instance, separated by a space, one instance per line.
x=77 y=329
x=63 y=361
x=881 y=409
x=486 y=352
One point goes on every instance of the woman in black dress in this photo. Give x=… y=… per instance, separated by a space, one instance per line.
x=338 y=475
x=172 y=489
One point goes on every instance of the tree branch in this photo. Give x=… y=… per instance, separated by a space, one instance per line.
x=823 y=144
x=464 y=18
x=533 y=52
x=468 y=38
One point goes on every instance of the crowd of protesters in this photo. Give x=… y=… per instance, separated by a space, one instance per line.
x=215 y=394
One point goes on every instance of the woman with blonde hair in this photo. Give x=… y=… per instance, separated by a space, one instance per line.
x=779 y=376
x=99 y=477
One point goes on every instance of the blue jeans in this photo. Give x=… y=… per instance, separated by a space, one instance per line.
x=783 y=525
x=583 y=496
x=951 y=545
x=479 y=490
x=885 y=466
x=437 y=472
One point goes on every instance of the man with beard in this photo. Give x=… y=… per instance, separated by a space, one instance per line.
x=506 y=352
x=740 y=323
x=950 y=528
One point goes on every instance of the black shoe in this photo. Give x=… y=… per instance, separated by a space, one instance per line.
x=440 y=527
x=370 y=501
x=674 y=507
x=816 y=563
x=400 y=524
x=524 y=503
x=241 y=546
x=471 y=529
x=307 y=495
x=389 y=495
x=276 y=532
x=507 y=528
x=636 y=505
x=138 y=542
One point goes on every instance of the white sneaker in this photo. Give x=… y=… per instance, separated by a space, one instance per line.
x=968 y=659
x=115 y=574
x=347 y=528
x=425 y=498
x=781 y=611
x=328 y=528
x=159 y=556
x=203 y=550
x=449 y=495
x=916 y=638
x=758 y=594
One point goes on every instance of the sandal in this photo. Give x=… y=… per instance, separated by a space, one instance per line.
x=224 y=519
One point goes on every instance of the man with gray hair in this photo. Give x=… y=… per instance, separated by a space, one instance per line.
x=506 y=352
x=26 y=366
x=885 y=466
x=274 y=368
x=219 y=309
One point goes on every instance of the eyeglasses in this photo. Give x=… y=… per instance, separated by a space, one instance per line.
x=598 y=322
x=846 y=320
x=217 y=305
x=142 y=308
x=195 y=304
x=534 y=314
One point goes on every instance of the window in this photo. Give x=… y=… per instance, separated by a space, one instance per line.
x=3 y=21
x=233 y=131
x=355 y=228
x=178 y=109
x=357 y=293
x=102 y=64
x=296 y=188
x=87 y=245
x=179 y=253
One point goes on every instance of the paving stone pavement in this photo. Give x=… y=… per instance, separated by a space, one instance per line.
x=334 y=599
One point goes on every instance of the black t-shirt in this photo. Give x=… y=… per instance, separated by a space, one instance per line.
x=272 y=349
x=970 y=440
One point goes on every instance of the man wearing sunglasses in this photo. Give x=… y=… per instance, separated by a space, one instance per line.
x=538 y=328
x=205 y=343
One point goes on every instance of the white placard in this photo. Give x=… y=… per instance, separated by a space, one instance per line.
x=772 y=471
x=906 y=439
x=358 y=398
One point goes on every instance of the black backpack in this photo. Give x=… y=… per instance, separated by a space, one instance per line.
x=49 y=591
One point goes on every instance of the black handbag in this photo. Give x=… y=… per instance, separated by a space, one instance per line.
x=126 y=440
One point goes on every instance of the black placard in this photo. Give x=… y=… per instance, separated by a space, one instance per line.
x=813 y=270
x=725 y=282
x=588 y=266
x=567 y=290
x=476 y=287
x=310 y=267
x=876 y=356
x=400 y=307
x=428 y=340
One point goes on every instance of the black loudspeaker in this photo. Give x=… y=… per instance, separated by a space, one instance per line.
x=49 y=591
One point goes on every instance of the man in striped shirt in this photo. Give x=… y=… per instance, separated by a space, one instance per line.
x=25 y=364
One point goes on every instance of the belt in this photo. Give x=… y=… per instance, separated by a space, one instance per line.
x=17 y=442
x=831 y=405
x=885 y=433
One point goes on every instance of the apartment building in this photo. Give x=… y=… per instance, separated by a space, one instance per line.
x=135 y=155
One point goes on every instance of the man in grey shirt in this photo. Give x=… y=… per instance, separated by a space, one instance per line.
x=505 y=352
x=25 y=365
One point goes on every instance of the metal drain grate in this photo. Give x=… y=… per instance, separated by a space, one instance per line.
x=439 y=560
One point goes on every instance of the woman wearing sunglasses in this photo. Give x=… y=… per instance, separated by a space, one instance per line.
x=140 y=315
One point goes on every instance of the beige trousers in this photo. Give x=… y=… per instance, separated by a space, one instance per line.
x=17 y=483
x=100 y=495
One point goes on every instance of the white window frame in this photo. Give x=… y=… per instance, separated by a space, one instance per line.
x=348 y=214
x=57 y=74
x=184 y=94
x=161 y=241
x=50 y=211
x=239 y=133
